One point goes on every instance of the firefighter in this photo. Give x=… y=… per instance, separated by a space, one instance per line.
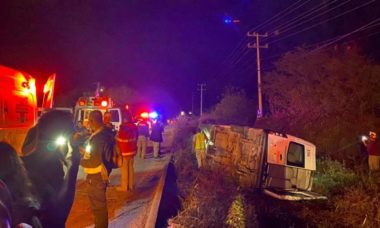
x=127 y=142
x=373 y=149
x=199 y=147
x=96 y=147
x=142 y=138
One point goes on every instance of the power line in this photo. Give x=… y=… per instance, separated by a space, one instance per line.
x=278 y=16
x=239 y=51
x=322 y=22
x=319 y=43
x=347 y=34
x=333 y=40
x=289 y=26
x=241 y=46
x=300 y=16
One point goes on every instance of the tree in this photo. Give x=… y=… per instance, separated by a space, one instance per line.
x=123 y=95
x=235 y=108
x=327 y=96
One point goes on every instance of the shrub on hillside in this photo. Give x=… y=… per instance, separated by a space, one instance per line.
x=332 y=177
x=235 y=108
x=320 y=99
x=356 y=206
x=185 y=128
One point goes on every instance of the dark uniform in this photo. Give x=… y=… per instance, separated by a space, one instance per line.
x=100 y=143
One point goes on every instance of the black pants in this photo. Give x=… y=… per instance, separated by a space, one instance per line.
x=96 y=191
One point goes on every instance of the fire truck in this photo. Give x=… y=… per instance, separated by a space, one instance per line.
x=85 y=105
x=18 y=104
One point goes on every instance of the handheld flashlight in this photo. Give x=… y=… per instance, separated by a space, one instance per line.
x=364 y=138
x=88 y=148
x=60 y=141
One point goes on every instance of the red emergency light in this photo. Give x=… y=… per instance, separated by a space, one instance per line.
x=25 y=85
x=144 y=115
x=104 y=103
x=82 y=102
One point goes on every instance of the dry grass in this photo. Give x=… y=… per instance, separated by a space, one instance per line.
x=209 y=198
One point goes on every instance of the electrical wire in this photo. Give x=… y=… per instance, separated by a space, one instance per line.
x=366 y=26
x=278 y=16
x=289 y=26
x=322 y=22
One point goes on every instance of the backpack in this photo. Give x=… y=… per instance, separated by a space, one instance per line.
x=112 y=158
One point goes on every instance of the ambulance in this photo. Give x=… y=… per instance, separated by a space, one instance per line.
x=85 y=105
x=18 y=104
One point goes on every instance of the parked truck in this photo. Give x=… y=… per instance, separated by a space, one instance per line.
x=279 y=164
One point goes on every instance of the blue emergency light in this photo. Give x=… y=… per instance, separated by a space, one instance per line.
x=153 y=115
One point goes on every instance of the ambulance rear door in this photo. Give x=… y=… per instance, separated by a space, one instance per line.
x=18 y=102
x=116 y=118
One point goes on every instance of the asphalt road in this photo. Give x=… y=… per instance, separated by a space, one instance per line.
x=126 y=209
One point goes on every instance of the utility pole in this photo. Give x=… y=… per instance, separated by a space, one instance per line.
x=201 y=89
x=257 y=46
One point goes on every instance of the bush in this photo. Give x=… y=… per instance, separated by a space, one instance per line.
x=355 y=206
x=235 y=108
x=332 y=177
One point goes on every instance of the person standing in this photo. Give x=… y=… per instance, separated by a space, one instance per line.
x=127 y=142
x=108 y=124
x=51 y=157
x=373 y=149
x=199 y=146
x=96 y=147
x=142 y=138
x=156 y=138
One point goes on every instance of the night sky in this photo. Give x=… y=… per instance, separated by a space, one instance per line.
x=163 y=48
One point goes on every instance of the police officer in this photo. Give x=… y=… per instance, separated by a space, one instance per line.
x=96 y=147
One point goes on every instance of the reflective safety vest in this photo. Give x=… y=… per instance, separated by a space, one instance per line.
x=200 y=141
x=126 y=139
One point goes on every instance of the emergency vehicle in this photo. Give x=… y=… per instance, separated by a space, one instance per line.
x=85 y=105
x=18 y=104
